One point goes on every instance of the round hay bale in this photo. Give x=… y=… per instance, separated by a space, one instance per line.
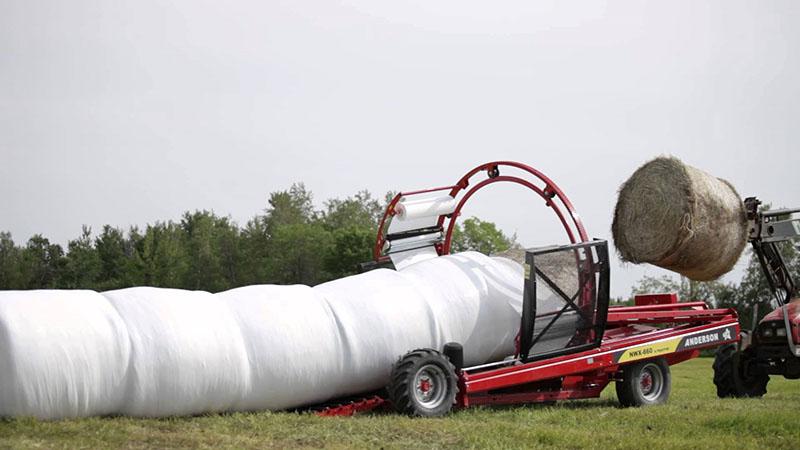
x=680 y=218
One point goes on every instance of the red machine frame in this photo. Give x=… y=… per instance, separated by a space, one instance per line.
x=629 y=336
x=549 y=193
x=586 y=374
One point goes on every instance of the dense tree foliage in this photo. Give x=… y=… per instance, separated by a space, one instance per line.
x=291 y=242
x=479 y=235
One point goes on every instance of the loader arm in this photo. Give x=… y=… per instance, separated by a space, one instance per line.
x=766 y=230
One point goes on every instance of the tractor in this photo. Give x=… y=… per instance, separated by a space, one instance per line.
x=743 y=369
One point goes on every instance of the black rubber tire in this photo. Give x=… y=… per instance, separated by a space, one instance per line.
x=630 y=391
x=729 y=377
x=402 y=387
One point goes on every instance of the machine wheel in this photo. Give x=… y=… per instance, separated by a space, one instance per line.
x=644 y=383
x=423 y=383
x=730 y=374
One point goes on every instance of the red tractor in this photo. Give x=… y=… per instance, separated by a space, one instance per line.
x=742 y=369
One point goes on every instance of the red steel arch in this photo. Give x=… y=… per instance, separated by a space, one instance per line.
x=549 y=192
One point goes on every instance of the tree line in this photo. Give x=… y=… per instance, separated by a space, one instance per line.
x=290 y=242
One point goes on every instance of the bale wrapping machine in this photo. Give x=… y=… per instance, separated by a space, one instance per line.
x=570 y=345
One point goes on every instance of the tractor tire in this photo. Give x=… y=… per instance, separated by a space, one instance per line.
x=423 y=383
x=645 y=383
x=729 y=376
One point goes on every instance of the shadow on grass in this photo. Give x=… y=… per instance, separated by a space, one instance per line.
x=382 y=411
x=565 y=405
x=570 y=405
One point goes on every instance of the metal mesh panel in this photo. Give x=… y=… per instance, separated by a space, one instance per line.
x=563 y=299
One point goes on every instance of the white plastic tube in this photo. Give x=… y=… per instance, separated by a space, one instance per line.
x=62 y=354
x=162 y=352
x=187 y=352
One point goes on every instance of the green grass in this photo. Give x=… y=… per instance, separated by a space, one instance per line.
x=694 y=418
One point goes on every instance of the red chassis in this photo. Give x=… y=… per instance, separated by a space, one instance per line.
x=658 y=329
x=586 y=374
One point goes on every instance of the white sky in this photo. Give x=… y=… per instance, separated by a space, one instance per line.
x=131 y=112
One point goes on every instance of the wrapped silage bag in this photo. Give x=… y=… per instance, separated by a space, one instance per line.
x=187 y=352
x=307 y=345
x=475 y=300
x=292 y=345
x=173 y=352
x=62 y=354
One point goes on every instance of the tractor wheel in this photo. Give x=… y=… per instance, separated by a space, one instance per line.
x=644 y=383
x=423 y=383
x=730 y=374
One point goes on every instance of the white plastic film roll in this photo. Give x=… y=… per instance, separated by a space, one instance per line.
x=428 y=207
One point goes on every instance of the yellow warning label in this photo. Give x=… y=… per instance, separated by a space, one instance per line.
x=527 y=271
x=649 y=350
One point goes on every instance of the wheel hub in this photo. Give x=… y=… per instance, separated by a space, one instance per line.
x=646 y=382
x=424 y=385
x=651 y=382
x=430 y=386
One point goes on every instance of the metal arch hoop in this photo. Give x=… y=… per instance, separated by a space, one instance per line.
x=548 y=193
x=573 y=227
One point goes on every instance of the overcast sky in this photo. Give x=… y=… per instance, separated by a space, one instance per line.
x=131 y=112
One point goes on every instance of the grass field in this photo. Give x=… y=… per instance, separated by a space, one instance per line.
x=694 y=418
